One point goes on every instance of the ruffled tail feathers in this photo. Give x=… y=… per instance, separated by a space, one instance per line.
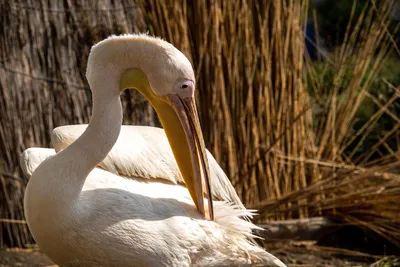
x=241 y=249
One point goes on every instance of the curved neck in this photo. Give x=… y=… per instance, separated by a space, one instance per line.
x=82 y=156
x=102 y=132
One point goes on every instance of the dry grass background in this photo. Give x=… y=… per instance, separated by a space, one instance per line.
x=258 y=118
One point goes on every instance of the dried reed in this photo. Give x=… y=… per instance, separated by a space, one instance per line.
x=249 y=61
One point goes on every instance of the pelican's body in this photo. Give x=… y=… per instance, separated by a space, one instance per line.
x=81 y=215
x=140 y=152
x=134 y=222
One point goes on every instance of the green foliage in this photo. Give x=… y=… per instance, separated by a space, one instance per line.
x=378 y=92
x=392 y=261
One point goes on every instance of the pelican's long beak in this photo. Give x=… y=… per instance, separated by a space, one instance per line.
x=196 y=177
x=181 y=124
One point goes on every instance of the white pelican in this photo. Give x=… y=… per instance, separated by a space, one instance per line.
x=81 y=208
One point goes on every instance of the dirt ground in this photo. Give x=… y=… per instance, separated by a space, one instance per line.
x=24 y=258
x=34 y=258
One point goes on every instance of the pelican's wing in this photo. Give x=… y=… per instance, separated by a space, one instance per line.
x=143 y=151
x=33 y=157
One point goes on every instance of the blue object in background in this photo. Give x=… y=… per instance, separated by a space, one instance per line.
x=310 y=40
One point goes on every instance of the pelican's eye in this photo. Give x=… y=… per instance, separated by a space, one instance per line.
x=183 y=87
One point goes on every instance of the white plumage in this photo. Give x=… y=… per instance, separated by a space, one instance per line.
x=143 y=151
x=83 y=215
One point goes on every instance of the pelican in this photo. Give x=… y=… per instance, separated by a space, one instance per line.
x=140 y=196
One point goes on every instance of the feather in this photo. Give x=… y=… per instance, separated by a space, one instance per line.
x=143 y=151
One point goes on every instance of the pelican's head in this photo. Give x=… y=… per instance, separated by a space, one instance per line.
x=165 y=77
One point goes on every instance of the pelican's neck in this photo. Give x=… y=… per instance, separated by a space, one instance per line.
x=103 y=130
x=82 y=156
